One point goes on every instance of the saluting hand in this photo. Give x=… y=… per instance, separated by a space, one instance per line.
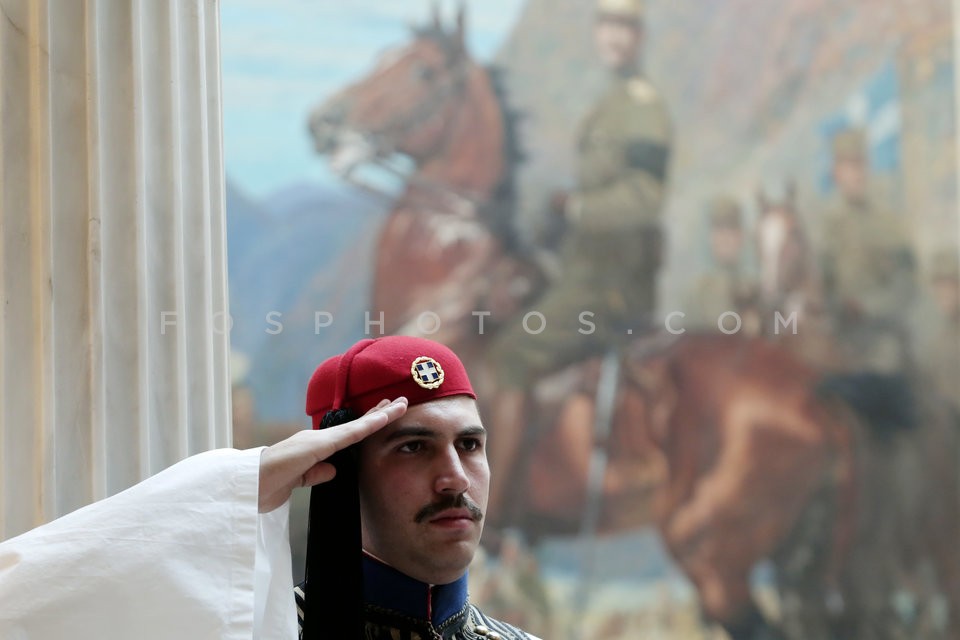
x=298 y=461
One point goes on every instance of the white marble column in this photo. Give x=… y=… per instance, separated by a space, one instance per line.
x=956 y=98
x=111 y=221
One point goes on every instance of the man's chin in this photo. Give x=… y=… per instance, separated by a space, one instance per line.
x=439 y=569
x=449 y=574
x=452 y=562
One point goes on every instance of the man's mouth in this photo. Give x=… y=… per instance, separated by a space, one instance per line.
x=455 y=514
x=454 y=519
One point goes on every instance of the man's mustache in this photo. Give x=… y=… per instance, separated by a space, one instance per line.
x=449 y=502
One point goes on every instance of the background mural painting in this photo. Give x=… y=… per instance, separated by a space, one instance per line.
x=771 y=451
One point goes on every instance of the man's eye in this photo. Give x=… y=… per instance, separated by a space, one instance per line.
x=411 y=447
x=471 y=444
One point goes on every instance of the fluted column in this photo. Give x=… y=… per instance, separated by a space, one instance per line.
x=113 y=354
x=956 y=98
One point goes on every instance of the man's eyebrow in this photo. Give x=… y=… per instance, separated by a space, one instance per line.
x=410 y=432
x=414 y=431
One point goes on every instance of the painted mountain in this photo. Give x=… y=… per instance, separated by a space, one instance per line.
x=303 y=250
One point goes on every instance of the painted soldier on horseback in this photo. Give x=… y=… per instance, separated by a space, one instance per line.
x=611 y=254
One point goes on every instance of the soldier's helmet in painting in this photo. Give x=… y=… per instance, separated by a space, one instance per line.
x=626 y=10
x=725 y=213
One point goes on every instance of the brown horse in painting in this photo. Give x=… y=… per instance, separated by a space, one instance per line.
x=431 y=103
x=847 y=483
x=447 y=254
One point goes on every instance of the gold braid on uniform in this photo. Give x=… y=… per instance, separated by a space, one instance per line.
x=468 y=624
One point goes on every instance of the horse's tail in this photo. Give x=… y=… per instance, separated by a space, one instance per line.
x=845 y=469
x=885 y=403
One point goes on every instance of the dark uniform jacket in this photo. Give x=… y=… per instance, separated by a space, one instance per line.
x=397 y=607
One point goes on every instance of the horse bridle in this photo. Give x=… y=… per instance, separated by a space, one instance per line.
x=422 y=112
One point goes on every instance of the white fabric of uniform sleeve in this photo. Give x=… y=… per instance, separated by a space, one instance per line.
x=182 y=555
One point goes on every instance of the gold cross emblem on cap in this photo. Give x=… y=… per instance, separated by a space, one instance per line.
x=427 y=372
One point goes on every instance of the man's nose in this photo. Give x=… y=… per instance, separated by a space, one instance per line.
x=451 y=476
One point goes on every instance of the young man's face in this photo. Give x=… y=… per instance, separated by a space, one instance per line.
x=726 y=243
x=851 y=178
x=618 y=42
x=423 y=489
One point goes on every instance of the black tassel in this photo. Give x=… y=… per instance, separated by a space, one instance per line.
x=333 y=585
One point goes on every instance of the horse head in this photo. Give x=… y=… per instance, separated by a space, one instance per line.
x=404 y=106
x=430 y=103
x=782 y=246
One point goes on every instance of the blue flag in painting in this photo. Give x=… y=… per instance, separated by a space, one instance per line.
x=875 y=108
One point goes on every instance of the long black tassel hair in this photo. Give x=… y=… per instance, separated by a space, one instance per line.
x=333 y=584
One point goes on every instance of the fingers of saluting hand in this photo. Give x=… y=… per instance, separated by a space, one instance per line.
x=299 y=460
x=333 y=439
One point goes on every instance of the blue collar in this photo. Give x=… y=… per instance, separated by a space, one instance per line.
x=384 y=586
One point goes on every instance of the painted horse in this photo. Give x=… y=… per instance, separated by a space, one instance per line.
x=430 y=103
x=790 y=279
x=846 y=483
x=448 y=248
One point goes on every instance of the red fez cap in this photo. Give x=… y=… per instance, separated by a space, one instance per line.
x=385 y=368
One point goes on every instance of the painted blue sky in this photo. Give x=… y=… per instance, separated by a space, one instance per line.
x=281 y=57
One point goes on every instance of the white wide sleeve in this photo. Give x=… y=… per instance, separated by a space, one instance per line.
x=182 y=555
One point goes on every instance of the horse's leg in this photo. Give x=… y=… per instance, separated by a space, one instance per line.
x=941 y=529
x=944 y=546
x=726 y=600
x=948 y=566
x=509 y=418
x=752 y=496
x=807 y=609
x=750 y=624
x=560 y=463
x=771 y=461
x=719 y=566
